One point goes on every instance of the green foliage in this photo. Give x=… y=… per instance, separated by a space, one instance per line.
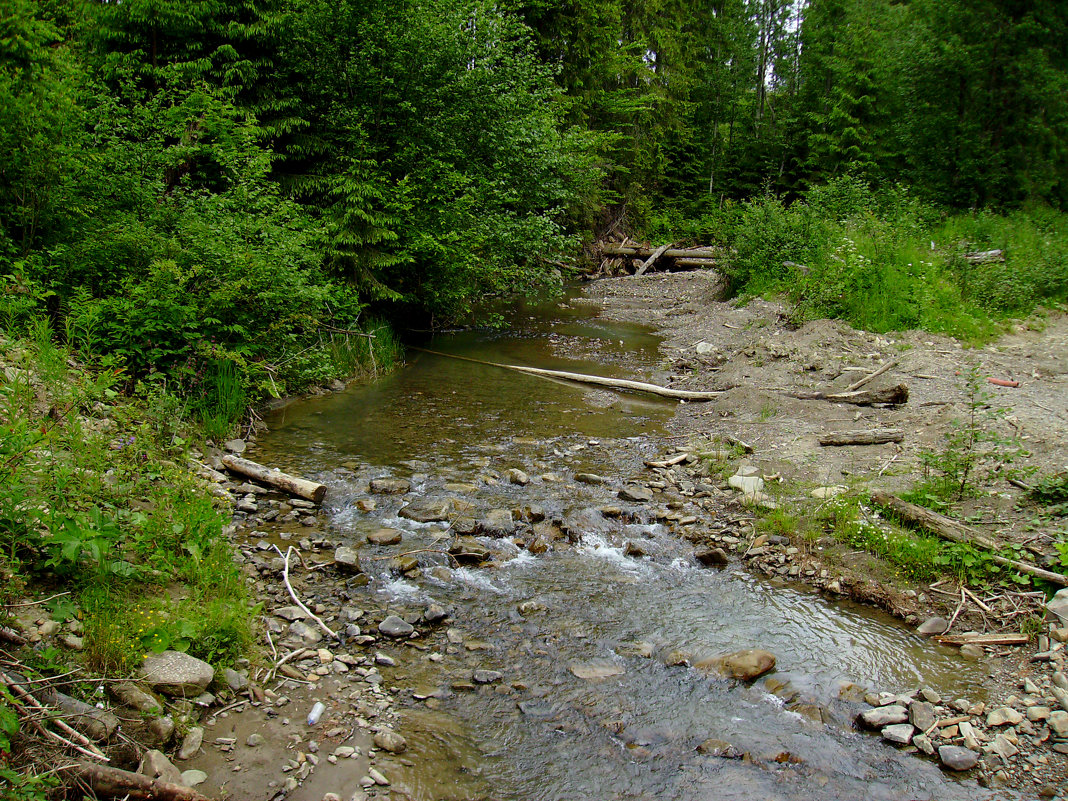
x=846 y=251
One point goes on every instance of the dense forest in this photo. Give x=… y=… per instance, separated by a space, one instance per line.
x=203 y=189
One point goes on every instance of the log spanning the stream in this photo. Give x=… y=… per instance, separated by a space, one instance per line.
x=584 y=378
x=300 y=487
x=671 y=253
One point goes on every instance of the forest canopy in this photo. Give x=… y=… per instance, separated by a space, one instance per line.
x=189 y=183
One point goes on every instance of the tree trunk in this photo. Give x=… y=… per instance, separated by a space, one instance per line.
x=300 y=487
x=874 y=437
x=656 y=254
x=115 y=783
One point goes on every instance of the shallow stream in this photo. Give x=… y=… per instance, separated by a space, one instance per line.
x=585 y=608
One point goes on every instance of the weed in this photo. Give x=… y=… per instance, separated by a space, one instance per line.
x=973 y=452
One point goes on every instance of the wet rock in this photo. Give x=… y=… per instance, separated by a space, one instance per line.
x=176 y=674
x=155 y=765
x=635 y=549
x=711 y=557
x=900 y=733
x=1005 y=716
x=596 y=669
x=932 y=626
x=469 y=551
x=971 y=651
x=883 y=716
x=497 y=523
x=636 y=494
x=586 y=521
x=718 y=748
x=237 y=446
x=590 y=478
x=389 y=740
x=347 y=560
x=385 y=536
x=741 y=665
x=436 y=613
x=1057 y=606
x=536 y=709
x=487 y=676
x=922 y=715
x=390 y=486
x=930 y=696
x=378 y=777
x=517 y=476
x=427 y=510
x=191 y=743
x=394 y=626
x=956 y=758
x=532 y=513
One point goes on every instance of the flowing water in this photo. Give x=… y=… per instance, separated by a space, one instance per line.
x=453 y=427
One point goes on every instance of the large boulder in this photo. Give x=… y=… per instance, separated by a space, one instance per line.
x=742 y=665
x=176 y=674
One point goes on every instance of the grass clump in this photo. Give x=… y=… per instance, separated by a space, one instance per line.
x=93 y=501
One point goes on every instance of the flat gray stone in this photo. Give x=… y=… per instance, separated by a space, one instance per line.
x=394 y=626
x=597 y=669
x=236 y=446
x=932 y=626
x=636 y=494
x=922 y=715
x=234 y=680
x=487 y=676
x=176 y=674
x=193 y=778
x=883 y=716
x=155 y=765
x=469 y=551
x=900 y=733
x=1005 y=716
x=194 y=738
x=956 y=758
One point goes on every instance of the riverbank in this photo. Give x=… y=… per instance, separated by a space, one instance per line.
x=762 y=364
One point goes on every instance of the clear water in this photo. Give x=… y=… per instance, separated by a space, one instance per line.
x=632 y=735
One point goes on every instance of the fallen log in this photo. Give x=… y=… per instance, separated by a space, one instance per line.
x=985 y=256
x=671 y=253
x=875 y=436
x=698 y=263
x=949 y=529
x=300 y=487
x=894 y=396
x=583 y=378
x=656 y=254
x=983 y=639
x=111 y=782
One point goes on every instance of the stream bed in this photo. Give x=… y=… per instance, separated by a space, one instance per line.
x=583 y=645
